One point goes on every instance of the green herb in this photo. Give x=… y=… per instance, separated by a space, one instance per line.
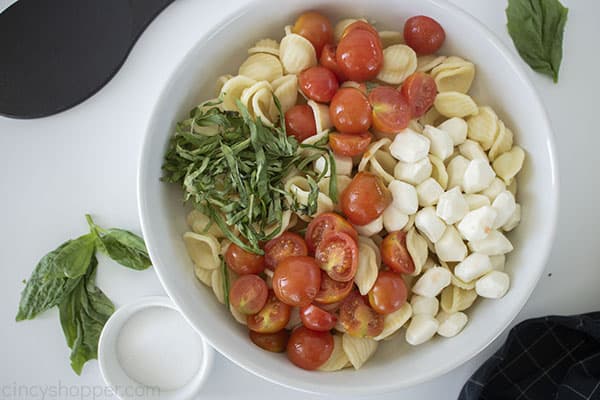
x=65 y=277
x=234 y=173
x=225 y=273
x=536 y=28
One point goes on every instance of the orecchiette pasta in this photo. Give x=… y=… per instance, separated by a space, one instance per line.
x=269 y=46
x=221 y=81
x=394 y=321
x=238 y=316
x=429 y=62
x=286 y=90
x=261 y=67
x=455 y=299
x=453 y=75
x=390 y=38
x=438 y=171
x=204 y=275
x=201 y=224
x=299 y=188
x=358 y=350
x=417 y=249
x=232 y=91
x=321 y=113
x=399 y=61
x=455 y=104
x=509 y=164
x=203 y=249
x=368 y=241
x=483 y=127
x=338 y=358
x=368 y=268
x=217 y=285
x=341 y=26
x=296 y=54
x=502 y=143
x=378 y=160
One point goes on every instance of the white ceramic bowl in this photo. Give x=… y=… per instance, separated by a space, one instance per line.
x=500 y=82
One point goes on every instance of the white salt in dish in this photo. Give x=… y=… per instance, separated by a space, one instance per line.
x=147 y=350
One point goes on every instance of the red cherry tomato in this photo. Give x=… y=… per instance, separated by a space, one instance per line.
x=318 y=84
x=359 y=55
x=243 y=262
x=331 y=292
x=350 y=111
x=337 y=254
x=394 y=253
x=360 y=25
x=296 y=280
x=300 y=122
x=285 y=245
x=316 y=318
x=419 y=90
x=344 y=144
x=275 y=342
x=309 y=349
x=272 y=318
x=328 y=60
x=316 y=28
x=391 y=112
x=323 y=224
x=358 y=319
x=248 y=294
x=425 y=35
x=365 y=198
x=388 y=293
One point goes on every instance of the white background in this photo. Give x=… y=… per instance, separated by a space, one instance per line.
x=54 y=170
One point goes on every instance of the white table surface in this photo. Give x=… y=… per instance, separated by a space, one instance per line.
x=56 y=169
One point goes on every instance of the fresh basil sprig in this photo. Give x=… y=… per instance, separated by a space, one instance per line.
x=66 y=277
x=536 y=28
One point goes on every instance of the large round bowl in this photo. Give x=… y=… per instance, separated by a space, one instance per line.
x=500 y=82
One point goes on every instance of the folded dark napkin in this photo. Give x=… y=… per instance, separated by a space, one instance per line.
x=543 y=358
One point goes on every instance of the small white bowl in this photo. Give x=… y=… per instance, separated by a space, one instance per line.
x=124 y=387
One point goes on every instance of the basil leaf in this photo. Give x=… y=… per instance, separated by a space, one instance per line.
x=46 y=287
x=74 y=258
x=83 y=314
x=536 y=28
x=126 y=248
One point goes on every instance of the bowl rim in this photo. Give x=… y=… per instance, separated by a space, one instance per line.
x=551 y=223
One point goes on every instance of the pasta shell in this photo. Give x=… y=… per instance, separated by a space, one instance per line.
x=338 y=358
x=457 y=79
x=455 y=299
x=286 y=217
x=204 y=249
x=415 y=126
x=218 y=285
x=286 y=91
x=455 y=104
x=502 y=143
x=341 y=26
x=455 y=280
x=203 y=275
x=321 y=113
x=300 y=190
x=221 y=81
x=232 y=91
x=342 y=183
x=261 y=104
x=472 y=150
x=429 y=62
x=438 y=171
x=358 y=350
x=294 y=320
x=394 y=321
x=411 y=222
x=269 y=46
x=483 y=127
x=508 y=165
x=390 y=38
x=399 y=61
x=383 y=144
x=225 y=243
x=261 y=67
x=238 y=316
x=249 y=92
x=513 y=187
x=368 y=241
x=431 y=117
x=201 y=224
x=417 y=248
x=368 y=268
x=296 y=54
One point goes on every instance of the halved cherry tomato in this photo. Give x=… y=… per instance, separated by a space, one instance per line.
x=365 y=198
x=358 y=319
x=309 y=349
x=316 y=28
x=395 y=254
x=316 y=318
x=272 y=318
x=360 y=25
x=337 y=254
x=300 y=122
x=419 y=90
x=425 y=35
x=344 y=144
x=243 y=262
x=359 y=55
x=350 y=111
x=391 y=112
x=296 y=280
x=388 y=293
x=323 y=224
x=248 y=294
x=318 y=84
x=328 y=60
x=331 y=291
x=285 y=245
x=275 y=342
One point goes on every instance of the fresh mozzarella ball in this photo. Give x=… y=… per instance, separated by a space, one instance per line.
x=456 y=171
x=476 y=201
x=452 y=206
x=456 y=128
x=494 y=244
x=424 y=305
x=472 y=267
x=413 y=173
x=478 y=176
x=428 y=192
x=505 y=207
x=514 y=220
x=371 y=228
x=394 y=219
x=493 y=285
x=422 y=327
x=477 y=224
x=451 y=324
x=409 y=146
x=472 y=150
x=450 y=247
x=498 y=262
x=432 y=282
x=496 y=187
x=404 y=197
x=442 y=145
x=343 y=165
x=429 y=224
